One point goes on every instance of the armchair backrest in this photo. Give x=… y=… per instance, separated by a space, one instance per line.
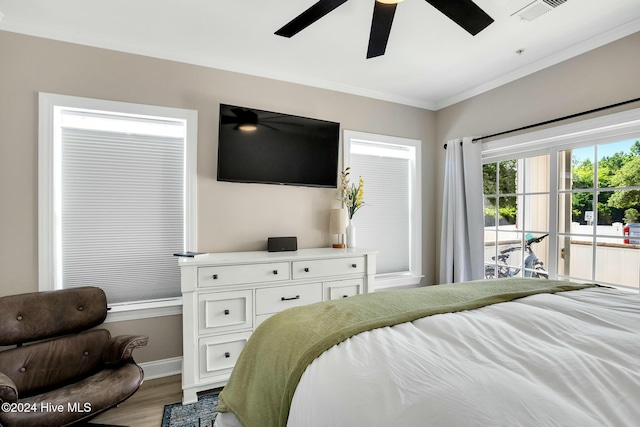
x=40 y=315
x=63 y=315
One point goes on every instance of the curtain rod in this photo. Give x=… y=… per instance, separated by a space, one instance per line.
x=571 y=116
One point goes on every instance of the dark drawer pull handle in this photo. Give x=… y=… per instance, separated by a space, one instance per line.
x=289 y=299
x=215 y=277
x=306 y=269
x=226 y=312
x=345 y=296
x=275 y=271
x=227 y=355
x=354 y=265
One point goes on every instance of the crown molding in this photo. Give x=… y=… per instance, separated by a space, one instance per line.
x=125 y=45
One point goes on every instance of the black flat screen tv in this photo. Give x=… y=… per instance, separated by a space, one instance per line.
x=257 y=146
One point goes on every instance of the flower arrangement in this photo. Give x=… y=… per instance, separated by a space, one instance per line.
x=350 y=193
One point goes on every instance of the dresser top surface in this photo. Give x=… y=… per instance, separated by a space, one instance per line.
x=264 y=256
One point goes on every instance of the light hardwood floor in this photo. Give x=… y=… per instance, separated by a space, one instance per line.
x=145 y=407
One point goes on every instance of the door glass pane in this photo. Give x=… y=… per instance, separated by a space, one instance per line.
x=582 y=169
x=489 y=178
x=564 y=212
x=617 y=263
x=507 y=212
x=536 y=215
x=582 y=208
x=490 y=238
x=490 y=211
x=575 y=257
x=507 y=175
x=537 y=172
x=608 y=213
x=509 y=257
x=536 y=255
x=621 y=206
x=619 y=164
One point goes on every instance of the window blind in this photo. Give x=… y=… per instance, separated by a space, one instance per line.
x=383 y=223
x=121 y=208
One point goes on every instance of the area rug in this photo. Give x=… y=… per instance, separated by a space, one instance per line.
x=200 y=414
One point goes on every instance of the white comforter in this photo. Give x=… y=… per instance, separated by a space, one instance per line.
x=567 y=359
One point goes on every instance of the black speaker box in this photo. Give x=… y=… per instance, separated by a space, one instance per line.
x=281 y=244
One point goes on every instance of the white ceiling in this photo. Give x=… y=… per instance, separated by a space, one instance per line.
x=430 y=62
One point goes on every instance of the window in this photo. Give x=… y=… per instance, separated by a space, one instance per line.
x=116 y=198
x=578 y=183
x=390 y=221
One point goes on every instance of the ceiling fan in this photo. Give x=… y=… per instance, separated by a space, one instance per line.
x=246 y=119
x=465 y=13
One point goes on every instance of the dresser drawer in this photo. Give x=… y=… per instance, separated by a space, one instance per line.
x=343 y=288
x=240 y=274
x=328 y=267
x=219 y=354
x=261 y=318
x=225 y=311
x=273 y=300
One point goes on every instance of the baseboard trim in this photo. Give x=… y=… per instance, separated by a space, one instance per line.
x=162 y=368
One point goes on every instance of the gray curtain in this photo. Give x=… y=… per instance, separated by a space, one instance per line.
x=462 y=234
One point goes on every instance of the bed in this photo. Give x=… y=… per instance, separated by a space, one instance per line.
x=505 y=352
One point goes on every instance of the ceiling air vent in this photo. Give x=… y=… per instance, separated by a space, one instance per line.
x=537 y=8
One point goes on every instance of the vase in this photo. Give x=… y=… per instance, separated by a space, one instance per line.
x=351 y=235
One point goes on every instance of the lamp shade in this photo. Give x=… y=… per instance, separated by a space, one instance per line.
x=337 y=221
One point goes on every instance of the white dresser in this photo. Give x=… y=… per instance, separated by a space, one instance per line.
x=225 y=296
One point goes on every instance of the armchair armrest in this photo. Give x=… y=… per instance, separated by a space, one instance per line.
x=8 y=390
x=119 y=349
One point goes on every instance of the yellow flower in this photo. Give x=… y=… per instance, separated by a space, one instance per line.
x=350 y=194
x=360 y=193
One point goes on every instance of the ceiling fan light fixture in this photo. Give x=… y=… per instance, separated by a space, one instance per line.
x=247 y=127
x=389 y=1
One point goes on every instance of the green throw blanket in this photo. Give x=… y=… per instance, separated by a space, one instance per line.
x=267 y=373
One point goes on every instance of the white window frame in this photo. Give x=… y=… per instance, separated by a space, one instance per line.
x=47 y=134
x=414 y=275
x=600 y=130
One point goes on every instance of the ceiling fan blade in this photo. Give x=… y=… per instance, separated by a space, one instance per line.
x=465 y=13
x=380 y=28
x=308 y=17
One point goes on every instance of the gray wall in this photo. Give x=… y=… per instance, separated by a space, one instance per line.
x=231 y=217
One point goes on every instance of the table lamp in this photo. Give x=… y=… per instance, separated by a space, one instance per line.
x=338 y=225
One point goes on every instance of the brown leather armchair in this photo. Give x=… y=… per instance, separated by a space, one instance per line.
x=64 y=373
